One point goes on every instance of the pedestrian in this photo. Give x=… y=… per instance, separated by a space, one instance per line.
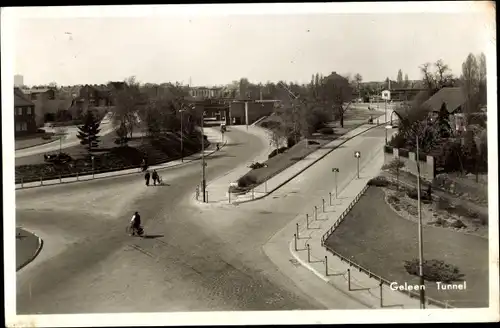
x=155 y=177
x=218 y=147
x=147 y=177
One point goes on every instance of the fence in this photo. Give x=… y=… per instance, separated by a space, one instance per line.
x=411 y=294
x=89 y=175
x=370 y=274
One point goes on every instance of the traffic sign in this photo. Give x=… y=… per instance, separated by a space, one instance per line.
x=335 y=169
x=357 y=154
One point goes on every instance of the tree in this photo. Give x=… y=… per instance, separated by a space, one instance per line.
x=130 y=101
x=482 y=99
x=277 y=134
x=470 y=86
x=88 y=133
x=439 y=78
x=358 y=79
x=122 y=135
x=336 y=93
x=443 y=122
x=406 y=81
x=399 y=79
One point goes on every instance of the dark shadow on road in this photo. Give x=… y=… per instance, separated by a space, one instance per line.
x=358 y=289
x=234 y=144
x=152 y=236
x=218 y=155
x=333 y=147
x=162 y=185
x=392 y=306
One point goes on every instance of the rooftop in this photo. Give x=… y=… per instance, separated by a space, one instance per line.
x=20 y=98
x=453 y=98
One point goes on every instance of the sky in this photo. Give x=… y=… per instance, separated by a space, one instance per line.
x=217 y=49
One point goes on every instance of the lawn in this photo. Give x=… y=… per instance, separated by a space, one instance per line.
x=33 y=140
x=375 y=237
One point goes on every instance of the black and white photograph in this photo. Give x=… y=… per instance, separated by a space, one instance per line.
x=250 y=164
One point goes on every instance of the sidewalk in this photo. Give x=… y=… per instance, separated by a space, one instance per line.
x=362 y=287
x=213 y=135
x=218 y=189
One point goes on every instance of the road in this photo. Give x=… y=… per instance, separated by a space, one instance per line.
x=70 y=140
x=196 y=259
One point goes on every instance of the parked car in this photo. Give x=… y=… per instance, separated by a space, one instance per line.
x=59 y=158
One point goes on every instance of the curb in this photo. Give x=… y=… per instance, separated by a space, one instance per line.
x=123 y=174
x=305 y=168
x=40 y=144
x=37 y=251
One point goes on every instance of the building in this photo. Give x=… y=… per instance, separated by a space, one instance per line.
x=18 y=81
x=24 y=114
x=204 y=92
x=453 y=100
x=256 y=109
x=45 y=102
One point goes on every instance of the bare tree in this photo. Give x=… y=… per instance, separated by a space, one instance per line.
x=482 y=79
x=406 y=81
x=130 y=102
x=443 y=76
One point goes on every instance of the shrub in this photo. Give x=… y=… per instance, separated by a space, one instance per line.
x=434 y=270
x=403 y=152
x=246 y=181
x=388 y=149
x=458 y=224
x=413 y=194
x=312 y=142
x=47 y=137
x=326 y=130
x=393 y=199
x=256 y=165
x=378 y=182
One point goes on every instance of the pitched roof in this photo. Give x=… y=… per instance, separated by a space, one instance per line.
x=452 y=97
x=20 y=98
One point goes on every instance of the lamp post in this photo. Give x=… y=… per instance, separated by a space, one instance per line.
x=420 y=230
x=203 y=164
x=92 y=157
x=420 y=241
x=182 y=136
x=335 y=170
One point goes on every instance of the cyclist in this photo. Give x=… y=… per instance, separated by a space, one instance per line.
x=136 y=223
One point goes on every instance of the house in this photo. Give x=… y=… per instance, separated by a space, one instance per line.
x=453 y=99
x=46 y=104
x=24 y=114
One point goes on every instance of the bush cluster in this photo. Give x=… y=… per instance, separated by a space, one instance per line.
x=246 y=181
x=277 y=151
x=256 y=165
x=326 y=130
x=434 y=270
x=378 y=182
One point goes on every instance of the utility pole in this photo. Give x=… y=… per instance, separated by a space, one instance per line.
x=182 y=136
x=420 y=241
x=203 y=181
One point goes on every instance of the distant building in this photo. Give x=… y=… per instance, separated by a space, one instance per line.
x=18 y=81
x=204 y=92
x=45 y=102
x=24 y=114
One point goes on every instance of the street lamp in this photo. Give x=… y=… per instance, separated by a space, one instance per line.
x=203 y=164
x=335 y=170
x=92 y=157
x=420 y=228
x=182 y=136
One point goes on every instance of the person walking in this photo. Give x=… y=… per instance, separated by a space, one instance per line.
x=147 y=177
x=155 y=177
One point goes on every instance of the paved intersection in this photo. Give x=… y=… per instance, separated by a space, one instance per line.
x=89 y=264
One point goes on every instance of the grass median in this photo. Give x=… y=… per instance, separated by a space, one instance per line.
x=377 y=238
